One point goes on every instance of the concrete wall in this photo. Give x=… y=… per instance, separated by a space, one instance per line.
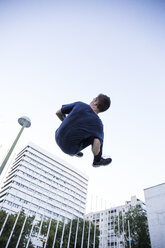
x=155 y=203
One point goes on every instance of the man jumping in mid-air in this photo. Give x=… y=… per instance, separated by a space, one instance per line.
x=82 y=127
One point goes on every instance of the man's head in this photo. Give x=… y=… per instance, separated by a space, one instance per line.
x=102 y=102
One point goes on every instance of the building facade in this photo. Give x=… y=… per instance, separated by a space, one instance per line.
x=105 y=221
x=43 y=185
x=155 y=204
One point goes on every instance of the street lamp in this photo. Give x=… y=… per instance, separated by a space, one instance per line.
x=24 y=122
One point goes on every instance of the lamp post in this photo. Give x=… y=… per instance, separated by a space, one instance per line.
x=130 y=240
x=24 y=122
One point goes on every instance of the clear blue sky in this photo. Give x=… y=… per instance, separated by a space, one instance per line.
x=56 y=52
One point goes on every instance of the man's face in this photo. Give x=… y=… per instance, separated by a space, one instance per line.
x=94 y=101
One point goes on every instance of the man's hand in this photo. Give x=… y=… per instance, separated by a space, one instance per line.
x=60 y=115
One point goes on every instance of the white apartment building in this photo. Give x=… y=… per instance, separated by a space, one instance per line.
x=44 y=185
x=155 y=204
x=105 y=221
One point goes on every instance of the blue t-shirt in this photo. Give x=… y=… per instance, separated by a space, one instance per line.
x=79 y=128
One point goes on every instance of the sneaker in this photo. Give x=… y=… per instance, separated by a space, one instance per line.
x=79 y=154
x=102 y=162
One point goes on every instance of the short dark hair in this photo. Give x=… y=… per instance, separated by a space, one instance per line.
x=104 y=102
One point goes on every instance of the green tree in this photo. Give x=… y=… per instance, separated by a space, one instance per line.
x=51 y=233
x=3 y=215
x=53 y=226
x=8 y=228
x=138 y=227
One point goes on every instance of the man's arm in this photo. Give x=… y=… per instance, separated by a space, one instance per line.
x=60 y=115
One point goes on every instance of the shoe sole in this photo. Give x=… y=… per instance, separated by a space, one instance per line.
x=96 y=166
x=78 y=156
